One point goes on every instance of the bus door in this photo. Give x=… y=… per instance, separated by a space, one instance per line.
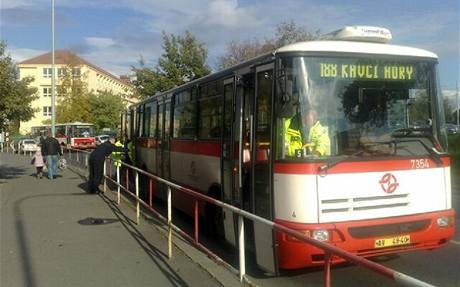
x=162 y=150
x=261 y=175
x=229 y=160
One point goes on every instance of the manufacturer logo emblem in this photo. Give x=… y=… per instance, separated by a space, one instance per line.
x=389 y=183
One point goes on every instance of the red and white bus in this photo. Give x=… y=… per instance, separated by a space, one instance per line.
x=75 y=135
x=382 y=187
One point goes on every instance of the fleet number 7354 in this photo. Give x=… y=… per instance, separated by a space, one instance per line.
x=419 y=163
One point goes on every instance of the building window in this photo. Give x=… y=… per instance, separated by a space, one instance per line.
x=61 y=72
x=76 y=72
x=46 y=111
x=47 y=92
x=47 y=73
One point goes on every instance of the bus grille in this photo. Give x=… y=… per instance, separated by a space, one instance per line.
x=357 y=204
x=388 y=229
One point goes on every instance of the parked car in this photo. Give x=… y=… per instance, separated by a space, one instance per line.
x=27 y=145
x=15 y=144
x=452 y=129
x=101 y=138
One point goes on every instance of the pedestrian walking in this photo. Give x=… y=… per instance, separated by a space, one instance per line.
x=96 y=163
x=51 y=151
x=38 y=162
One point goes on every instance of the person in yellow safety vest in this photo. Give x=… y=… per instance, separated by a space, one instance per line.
x=316 y=141
x=117 y=155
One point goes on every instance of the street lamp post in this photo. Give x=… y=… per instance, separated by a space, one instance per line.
x=53 y=76
x=456 y=97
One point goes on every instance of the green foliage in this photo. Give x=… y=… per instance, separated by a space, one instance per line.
x=105 y=110
x=72 y=96
x=286 y=33
x=16 y=96
x=183 y=60
x=449 y=111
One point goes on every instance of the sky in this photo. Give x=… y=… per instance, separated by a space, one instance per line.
x=115 y=34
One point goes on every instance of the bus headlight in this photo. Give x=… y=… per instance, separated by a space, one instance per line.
x=445 y=221
x=320 y=235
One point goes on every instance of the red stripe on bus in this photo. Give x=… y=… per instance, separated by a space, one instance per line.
x=195 y=147
x=359 y=166
x=147 y=142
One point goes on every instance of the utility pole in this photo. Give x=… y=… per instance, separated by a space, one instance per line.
x=456 y=96
x=53 y=76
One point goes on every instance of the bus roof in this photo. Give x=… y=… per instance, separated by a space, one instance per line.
x=356 y=47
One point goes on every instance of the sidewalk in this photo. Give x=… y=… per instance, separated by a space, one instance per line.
x=47 y=238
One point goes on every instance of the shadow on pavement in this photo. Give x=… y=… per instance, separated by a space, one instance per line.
x=27 y=267
x=157 y=256
x=9 y=172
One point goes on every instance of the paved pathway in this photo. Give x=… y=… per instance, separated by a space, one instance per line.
x=46 y=239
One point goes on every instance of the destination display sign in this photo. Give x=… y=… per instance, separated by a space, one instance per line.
x=367 y=71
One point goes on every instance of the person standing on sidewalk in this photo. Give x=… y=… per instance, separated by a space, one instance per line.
x=50 y=150
x=96 y=163
x=38 y=162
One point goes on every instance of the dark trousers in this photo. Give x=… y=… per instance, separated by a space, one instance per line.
x=96 y=172
x=39 y=171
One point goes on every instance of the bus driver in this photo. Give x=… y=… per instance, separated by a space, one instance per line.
x=305 y=133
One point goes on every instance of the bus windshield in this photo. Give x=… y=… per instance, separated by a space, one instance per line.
x=334 y=106
x=82 y=131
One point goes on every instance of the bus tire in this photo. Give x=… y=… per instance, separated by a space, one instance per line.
x=214 y=226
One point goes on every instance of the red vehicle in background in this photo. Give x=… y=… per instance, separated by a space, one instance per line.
x=74 y=135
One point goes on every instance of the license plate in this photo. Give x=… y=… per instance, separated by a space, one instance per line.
x=392 y=241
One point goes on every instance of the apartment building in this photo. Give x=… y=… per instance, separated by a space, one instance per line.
x=96 y=79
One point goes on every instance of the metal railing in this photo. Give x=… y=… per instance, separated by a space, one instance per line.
x=76 y=156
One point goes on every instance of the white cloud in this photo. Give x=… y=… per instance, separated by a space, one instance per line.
x=217 y=22
x=99 y=42
x=21 y=54
x=9 y=4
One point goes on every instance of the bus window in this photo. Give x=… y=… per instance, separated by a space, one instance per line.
x=167 y=124
x=139 y=120
x=146 y=121
x=184 y=125
x=153 y=119
x=228 y=91
x=210 y=111
x=149 y=119
x=60 y=131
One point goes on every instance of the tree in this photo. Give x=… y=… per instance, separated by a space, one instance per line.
x=16 y=96
x=183 y=60
x=286 y=33
x=72 y=94
x=449 y=111
x=105 y=110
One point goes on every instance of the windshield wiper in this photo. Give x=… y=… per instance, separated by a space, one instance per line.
x=434 y=155
x=418 y=132
x=405 y=132
x=333 y=163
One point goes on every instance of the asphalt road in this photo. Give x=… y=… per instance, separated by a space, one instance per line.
x=48 y=237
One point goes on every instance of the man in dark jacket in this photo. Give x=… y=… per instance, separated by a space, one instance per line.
x=50 y=150
x=96 y=163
